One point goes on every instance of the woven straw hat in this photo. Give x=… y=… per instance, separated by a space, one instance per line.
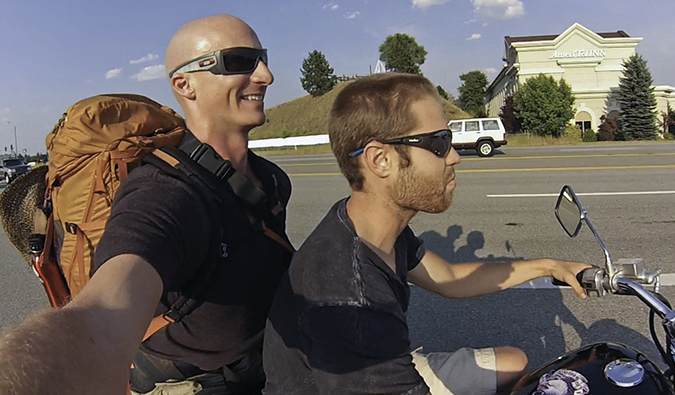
x=20 y=209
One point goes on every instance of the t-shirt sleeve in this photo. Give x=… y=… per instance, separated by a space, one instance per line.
x=415 y=247
x=354 y=349
x=163 y=221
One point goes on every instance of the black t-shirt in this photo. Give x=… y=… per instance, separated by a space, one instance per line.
x=337 y=324
x=167 y=222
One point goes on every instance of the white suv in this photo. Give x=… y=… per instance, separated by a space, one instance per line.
x=481 y=134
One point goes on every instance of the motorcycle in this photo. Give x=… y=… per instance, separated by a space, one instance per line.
x=607 y=368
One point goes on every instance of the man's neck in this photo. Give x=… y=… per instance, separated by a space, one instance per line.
x=230 y=145
x=377 y=220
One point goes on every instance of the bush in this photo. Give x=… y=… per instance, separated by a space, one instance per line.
x=589 y=136
x=608 y=130
x=573 y=132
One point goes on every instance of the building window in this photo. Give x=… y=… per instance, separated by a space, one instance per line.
x=583 y=121
x=584 y=125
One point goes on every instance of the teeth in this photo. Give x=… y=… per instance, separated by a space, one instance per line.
x=253 y=97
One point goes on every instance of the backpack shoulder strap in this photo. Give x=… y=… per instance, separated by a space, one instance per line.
x=188 y=163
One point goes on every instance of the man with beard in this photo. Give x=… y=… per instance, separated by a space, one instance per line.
x=337 y=324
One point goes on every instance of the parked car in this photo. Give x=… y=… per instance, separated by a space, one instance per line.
x=481 y=134
x=11 y=168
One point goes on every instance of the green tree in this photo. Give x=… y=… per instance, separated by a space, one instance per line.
x=401 y=53
x=472 y=92
x=318 y=77
x=442 y=92
x=637 y=101
x=544 y=106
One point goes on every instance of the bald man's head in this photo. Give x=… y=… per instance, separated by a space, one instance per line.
x=206 y=35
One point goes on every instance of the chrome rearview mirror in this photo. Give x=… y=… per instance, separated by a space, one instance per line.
x=571 y=214
x=568 y=211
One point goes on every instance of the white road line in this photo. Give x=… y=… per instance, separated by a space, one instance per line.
x=530 y=195
x=598 y=149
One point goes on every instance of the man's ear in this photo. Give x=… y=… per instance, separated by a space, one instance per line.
x=182 y=86
x=378 y=159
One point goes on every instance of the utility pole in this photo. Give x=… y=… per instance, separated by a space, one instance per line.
x=16 y=147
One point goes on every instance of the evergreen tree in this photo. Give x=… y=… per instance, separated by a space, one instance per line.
x=472 y=92
x=442 y=92
x=637 y=101
x=318 y=77
x=544 y=106
x=401 y=53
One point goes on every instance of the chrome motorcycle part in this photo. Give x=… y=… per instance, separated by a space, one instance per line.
x=624 y=372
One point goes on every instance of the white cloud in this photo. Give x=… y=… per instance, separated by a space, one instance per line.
x=113 y=73
x=352 y=15
x=500 y=9
x=146 y=58
x=4 y=111
x=490 y=70
x=425 y=4
x=150 y=73
x=470 y=21
x=332 y=6
x=474 y=36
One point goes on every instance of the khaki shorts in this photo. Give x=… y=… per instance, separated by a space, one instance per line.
x=463 y=372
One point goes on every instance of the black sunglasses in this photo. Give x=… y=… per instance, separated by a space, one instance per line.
x=239 y=60
x=438 y=142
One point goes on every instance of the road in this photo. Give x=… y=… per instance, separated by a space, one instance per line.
x=503 y=210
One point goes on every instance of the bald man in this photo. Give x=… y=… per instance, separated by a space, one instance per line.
x=158 y=237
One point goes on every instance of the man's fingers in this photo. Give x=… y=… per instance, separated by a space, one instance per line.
x=577 y=287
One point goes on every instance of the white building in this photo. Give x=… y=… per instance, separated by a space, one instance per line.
x=591 y=63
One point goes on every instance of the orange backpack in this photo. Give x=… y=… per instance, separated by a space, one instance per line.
x=92 y=149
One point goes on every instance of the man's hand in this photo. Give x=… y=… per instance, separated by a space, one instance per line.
x=567 y=271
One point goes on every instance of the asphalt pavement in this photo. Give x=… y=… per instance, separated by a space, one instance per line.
x=503 y=210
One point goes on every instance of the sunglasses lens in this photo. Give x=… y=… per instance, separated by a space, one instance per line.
x=440 y=143
x=243 y=60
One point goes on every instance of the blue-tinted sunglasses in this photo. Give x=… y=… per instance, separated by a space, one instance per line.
x=239 y=60
x=438 y=142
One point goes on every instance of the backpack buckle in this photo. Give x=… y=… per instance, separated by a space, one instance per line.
x=71 y=228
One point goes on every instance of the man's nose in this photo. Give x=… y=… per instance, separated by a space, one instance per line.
x=262 y=74
x=452 y=158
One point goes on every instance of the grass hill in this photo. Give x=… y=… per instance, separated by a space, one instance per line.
x=308 y=116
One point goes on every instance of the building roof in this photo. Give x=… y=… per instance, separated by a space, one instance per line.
x=551 y=37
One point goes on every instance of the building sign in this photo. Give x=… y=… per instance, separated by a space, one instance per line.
x=581 y=53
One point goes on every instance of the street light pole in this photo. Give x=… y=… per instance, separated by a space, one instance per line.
x=16 y=147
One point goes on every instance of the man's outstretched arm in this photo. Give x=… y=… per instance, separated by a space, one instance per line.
x=86 y=347
x=464 y=280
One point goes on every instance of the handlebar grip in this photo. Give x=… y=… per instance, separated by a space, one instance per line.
x=580 y=275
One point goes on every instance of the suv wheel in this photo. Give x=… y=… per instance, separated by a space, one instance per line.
x=485 y=148
x=7 y=180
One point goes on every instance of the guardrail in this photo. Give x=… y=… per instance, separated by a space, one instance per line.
x=289 y=141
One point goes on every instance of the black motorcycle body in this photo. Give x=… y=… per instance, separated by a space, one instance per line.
x=590 y=362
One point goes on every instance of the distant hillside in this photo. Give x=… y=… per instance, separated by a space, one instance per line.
x=308 y=116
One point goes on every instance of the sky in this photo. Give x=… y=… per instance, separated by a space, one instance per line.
x=55 y=53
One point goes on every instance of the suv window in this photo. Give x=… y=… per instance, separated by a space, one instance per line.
x=490 y=124
x=455 y=127
x=13 y=162
x=471 y=126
